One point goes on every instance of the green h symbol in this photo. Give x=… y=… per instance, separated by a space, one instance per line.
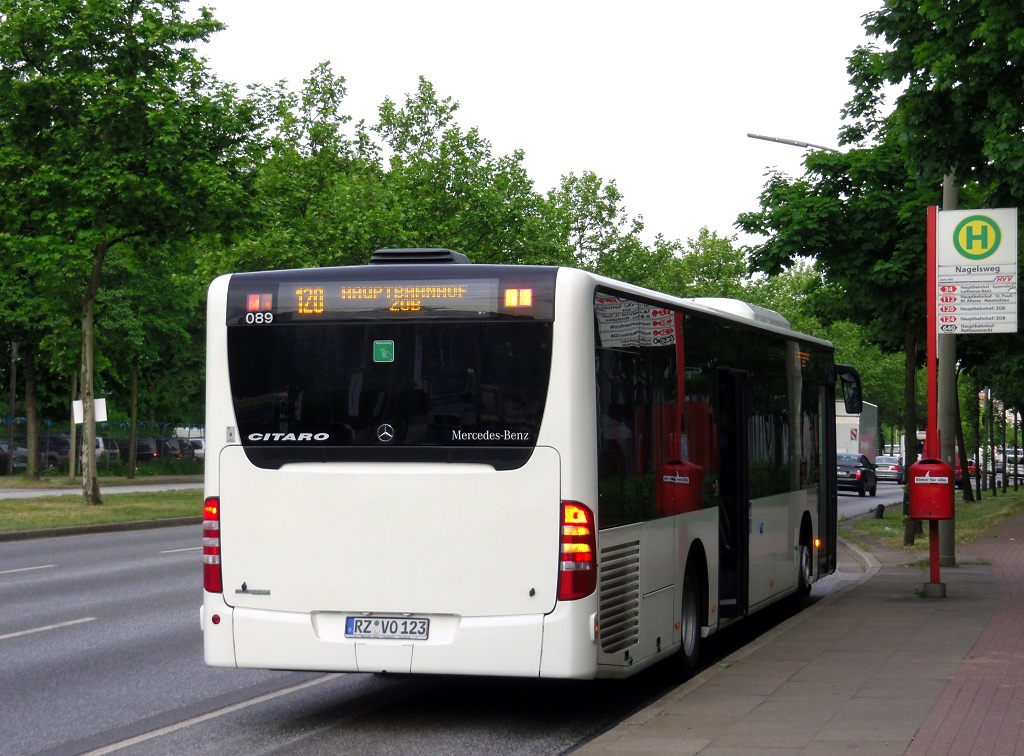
x=976 y=237
x=980 y=235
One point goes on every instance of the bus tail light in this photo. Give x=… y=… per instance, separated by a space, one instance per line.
x=577 y=569
x=212 y=581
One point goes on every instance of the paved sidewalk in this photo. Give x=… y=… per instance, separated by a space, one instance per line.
x=871 y=669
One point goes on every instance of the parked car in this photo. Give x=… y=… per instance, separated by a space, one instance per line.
x=198 y=448
x=55 y=451
x=20 y=458
x=855 y=472
x=146 y=449
x=888 y=468
x=179 y=448
x=107 y=448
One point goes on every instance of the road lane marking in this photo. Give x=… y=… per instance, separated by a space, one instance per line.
x=211 y=715
x=178 y=551
x=48 y=627
x=28 y=569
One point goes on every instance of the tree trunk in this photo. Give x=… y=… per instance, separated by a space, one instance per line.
x=31 y=414
x=965 y=476
x=72 y=464
x=976 y=417
x=90 y=478
x=990 y=413
x=12 y=408
x=1005 y=471
x=133 y=433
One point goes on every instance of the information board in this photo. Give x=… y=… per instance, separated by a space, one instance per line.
x=977 y=271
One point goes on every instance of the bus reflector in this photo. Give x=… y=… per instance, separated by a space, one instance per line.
x=212 y=581
x=577 y=573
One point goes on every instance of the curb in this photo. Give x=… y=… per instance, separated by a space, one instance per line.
x=113 y=527
x=871 y=567
x=60 y=485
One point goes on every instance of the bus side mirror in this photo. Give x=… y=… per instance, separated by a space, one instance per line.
x=848 y=376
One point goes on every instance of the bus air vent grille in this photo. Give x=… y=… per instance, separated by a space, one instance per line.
x=416 y=256
x=619 y=617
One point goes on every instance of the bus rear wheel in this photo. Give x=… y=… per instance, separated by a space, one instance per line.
x=689 y=651
x=806 y=572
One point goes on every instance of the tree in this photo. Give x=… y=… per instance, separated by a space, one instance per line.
x=449 y=189
x=593 y=221
x=880 y=372
x=712 y=266
x=149 y=348
x=961 y=70
x=327 y=196
x=789 y=293
x=860 y=215
x=111 y=129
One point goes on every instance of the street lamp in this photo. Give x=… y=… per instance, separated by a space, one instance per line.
x=793 y=142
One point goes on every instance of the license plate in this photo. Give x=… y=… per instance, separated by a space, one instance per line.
x=395 y=628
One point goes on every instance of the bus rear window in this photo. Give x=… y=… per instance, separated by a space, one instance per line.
x=379 y=388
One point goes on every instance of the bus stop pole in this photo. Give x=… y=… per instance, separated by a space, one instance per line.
x=948 y=397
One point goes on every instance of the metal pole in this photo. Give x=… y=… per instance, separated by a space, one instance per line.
x=947 y=401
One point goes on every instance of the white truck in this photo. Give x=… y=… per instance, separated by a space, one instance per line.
x=857 y=434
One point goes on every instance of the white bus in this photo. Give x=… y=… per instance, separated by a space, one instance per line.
x=422 y=465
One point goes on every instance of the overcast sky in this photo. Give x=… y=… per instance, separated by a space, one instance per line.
x=657 y=96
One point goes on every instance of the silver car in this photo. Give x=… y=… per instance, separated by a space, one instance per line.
x=888 y=468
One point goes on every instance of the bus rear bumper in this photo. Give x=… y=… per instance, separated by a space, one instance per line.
x=262 y=639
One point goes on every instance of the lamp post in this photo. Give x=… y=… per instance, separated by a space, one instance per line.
x=793 y=142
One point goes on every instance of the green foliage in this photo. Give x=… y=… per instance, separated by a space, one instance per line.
x=958 y=73
x=961 y=70
x=790 y=294
x=132 y=177
x=591 y=217
x=711 y=266
x=860 y=216
x=111 y=130
x=881 y=373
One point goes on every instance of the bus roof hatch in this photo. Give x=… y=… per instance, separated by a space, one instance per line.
x=417 y=256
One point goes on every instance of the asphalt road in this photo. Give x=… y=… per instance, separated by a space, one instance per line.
x=99 y=633
x=100 y=649
x=851 y=504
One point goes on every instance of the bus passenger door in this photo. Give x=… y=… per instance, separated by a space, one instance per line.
x=733 y=495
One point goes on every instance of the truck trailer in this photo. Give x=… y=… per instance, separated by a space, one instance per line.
x=857 y=434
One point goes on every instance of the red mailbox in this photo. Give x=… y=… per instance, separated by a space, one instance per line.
x=931 y=490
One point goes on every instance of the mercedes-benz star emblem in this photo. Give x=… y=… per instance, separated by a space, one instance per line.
x=385 y=432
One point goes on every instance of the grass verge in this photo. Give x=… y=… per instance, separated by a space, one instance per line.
x=973 y=518
x=46 y=512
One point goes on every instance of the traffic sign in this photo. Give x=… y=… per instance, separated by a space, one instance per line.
x=977 y=271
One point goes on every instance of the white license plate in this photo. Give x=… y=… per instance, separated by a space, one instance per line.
x=396 y=628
